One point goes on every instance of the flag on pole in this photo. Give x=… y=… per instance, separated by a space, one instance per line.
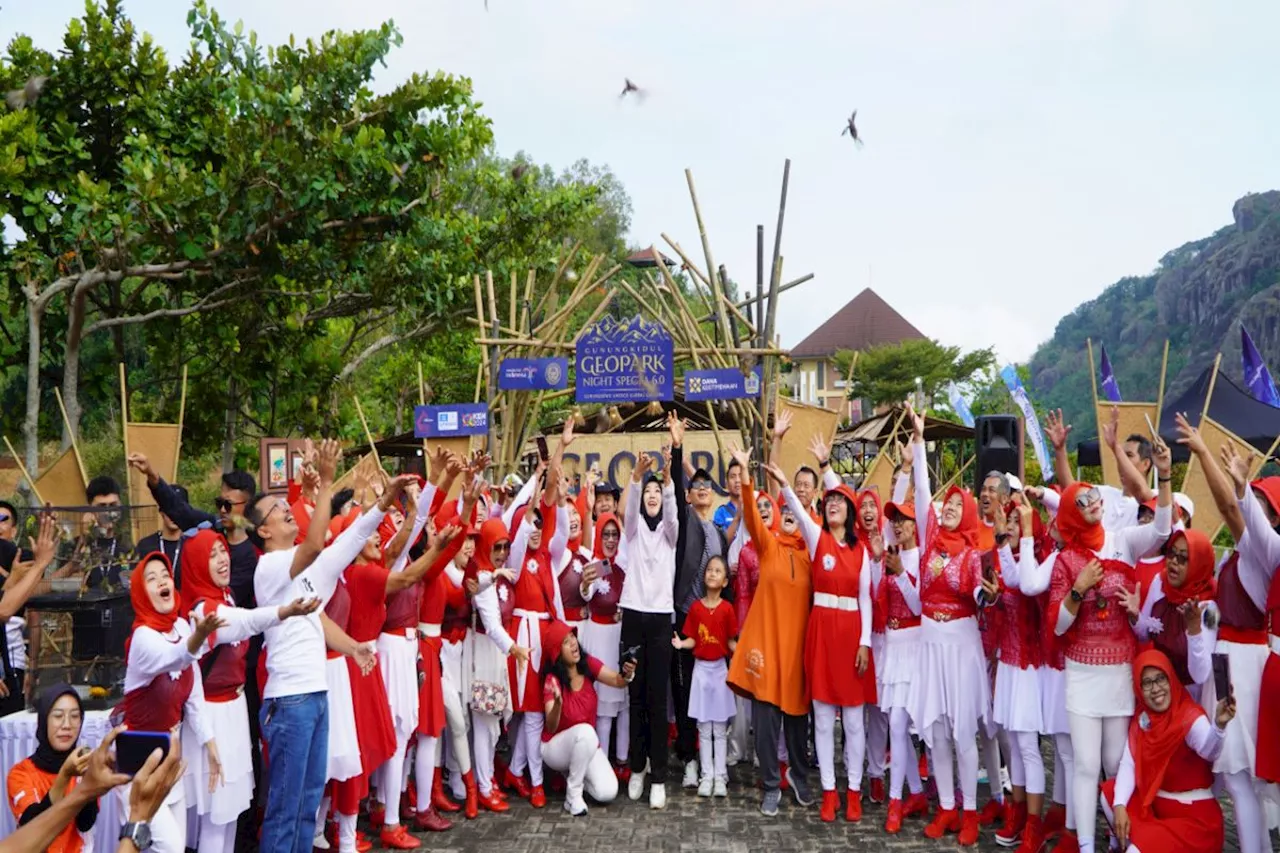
x=959 y=404
x=1256 y=376
x=1110 y=389
x=1010 y=376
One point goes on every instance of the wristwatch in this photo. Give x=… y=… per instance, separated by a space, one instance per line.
x=1076 y=595
x=138 y=833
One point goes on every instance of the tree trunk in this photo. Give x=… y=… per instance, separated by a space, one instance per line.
x=229 y=430
x=31 y=424
x=71 y=366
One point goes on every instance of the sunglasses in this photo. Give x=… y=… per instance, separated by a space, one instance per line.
x=700 y=486
x=610 y=534
x=226 y=505
x=1181 y=558
x=1088 y=496
x=502 y=547
x=5 y=519
x=536 y=521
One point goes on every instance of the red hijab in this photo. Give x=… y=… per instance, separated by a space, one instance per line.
x=197 y=583
x=851 y=522
x=1075 y=531
x=1199 y=584
x=492 y=532
x=864 y=536
x=144 y=612
x=1155 y=736
x=775 y=517
x=597 y=541
x=965 y=534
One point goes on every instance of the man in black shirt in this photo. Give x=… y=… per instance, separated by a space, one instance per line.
x=167 y=540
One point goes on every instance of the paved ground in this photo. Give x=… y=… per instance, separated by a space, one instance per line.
x=734 y=825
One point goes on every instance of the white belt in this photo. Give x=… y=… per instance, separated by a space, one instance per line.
x=1186 y=797
x=835 y=602
x=429 y=629
x=407 y=633
x=521 y=613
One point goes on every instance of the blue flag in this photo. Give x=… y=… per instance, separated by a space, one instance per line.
x=959 y=404
x=1110 y=389
x=1256 y=376
x=1019 y=393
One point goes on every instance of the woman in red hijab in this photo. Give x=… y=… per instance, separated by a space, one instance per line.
x=1173 y=608
x=950 y=695
x=162 y=684
x=1161 y=798
x=601 y=634
x=205 y=591
x=1089 y=589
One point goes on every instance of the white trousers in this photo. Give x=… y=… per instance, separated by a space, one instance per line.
x=391 y=778
x=604 y=727
x=1064 y=771
x=424 y=768
x=713 y=744
x=991 y=763
x=485 y=730
x=966 y=759
x=1098 y=744
x=576 y=753
x=855 y=743
x=1026 y=764
x=218 y=837
x=528 y=749
x=1251 y=822
x=903 y=765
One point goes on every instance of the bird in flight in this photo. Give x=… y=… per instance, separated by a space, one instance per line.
x=26 y=96
x=629 y=87
x=851 y=128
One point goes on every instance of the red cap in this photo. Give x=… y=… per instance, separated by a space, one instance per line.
x=553 y=638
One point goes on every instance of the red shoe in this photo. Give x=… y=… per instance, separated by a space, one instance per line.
x=623 y=772
x=893 y=822
x=1067 y=842
x=830 y=804
x=783 y=785
x=471 y=801
x=968 y=836
x=556 y=783
x=492 y=803
x=877 y=791
x=538 y=797
x=1014 y=818
x=408 y=804
x=853 y=806
x=439 y=799
x=672 y=731
x=377 y=815
x=991 y=813
x=398 y=839
x=924 y=767
x=517 y=785
x=1055 y=820
x=496 y=790
x=944 y=821
x=431 y=821
x=917 y=804
x=500 y=766
x=363 y=844
x=1032 y=835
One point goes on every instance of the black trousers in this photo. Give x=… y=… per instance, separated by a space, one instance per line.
x=15 y=701
x=769 y=721
x=650 y=635
x=681 y=681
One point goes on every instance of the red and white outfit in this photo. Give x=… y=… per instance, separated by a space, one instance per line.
x=839 y=624
x=487 y=674
x=601 y=637
x=898 y=598
x=1268 y=744
x=344 y=764
x=1162 y=625
x=710 y=699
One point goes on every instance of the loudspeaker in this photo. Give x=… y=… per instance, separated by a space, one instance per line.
x=998 y=443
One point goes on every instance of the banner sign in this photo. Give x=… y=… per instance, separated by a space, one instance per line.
x=449 y=420
x=959 y=405
x=1010 y=376
x=726 y=383
x=624 y=361
x=533 y=374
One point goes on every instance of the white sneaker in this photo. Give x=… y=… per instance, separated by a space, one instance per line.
x=320 y=842
x=635 y=786
x=657 y=796
x=575 y=806
x=721 y=788
x=704 y=787
x=691 y=774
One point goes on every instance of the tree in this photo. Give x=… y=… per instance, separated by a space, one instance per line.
x=887 y=374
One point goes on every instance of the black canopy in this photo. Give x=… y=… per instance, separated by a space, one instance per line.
x=1232 y=407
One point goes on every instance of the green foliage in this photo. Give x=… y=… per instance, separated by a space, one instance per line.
x=887 y=374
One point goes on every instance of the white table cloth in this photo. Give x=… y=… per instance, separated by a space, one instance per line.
x=18 y=741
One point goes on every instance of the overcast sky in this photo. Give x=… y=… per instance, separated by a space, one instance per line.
x=1019 y=156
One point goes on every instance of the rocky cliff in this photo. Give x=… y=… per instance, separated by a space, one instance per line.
x=1196 y=298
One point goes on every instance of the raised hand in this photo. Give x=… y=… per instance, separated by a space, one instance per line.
x=1026 y=515
x=46 y=544
x=394 y=489
x=917 y=424
x=299 y=607
x=454 y=465
x=1111 y=429
x=204 y=628
x=1131 y=601
x=1236 y=465
x=439 y=461
x=327 y=458
x=140 y=463
x=1192 y=617
x=480 y=461
x=876 y=542
x=445 y=536
x=566 y=434
x=776 y=474
x=819 y=448
x=782 y=424
x=644 y=462
x=1055 y=429
x=1162 y=456
x=1189 y=435
x=675 y=427
x=1000 y=519
x=740 y=456
x=100 y=774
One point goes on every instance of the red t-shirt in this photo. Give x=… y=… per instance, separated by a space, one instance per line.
x=711 y=629
x=576 y=706
x=367 y=586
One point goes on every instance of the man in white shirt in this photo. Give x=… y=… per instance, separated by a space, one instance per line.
x=295 y=706
x=1133 y=458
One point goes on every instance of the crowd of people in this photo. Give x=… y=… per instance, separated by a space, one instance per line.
x=316 y=660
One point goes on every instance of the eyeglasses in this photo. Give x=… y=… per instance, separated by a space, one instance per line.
x=700 y=486
x=1155 y=682
x=1179 y=557
x=60 y=717
x=1088 y=496
x=610 y=534
x=275 y=506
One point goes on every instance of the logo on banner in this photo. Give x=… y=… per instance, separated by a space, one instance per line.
x=533 y=374
x=622 y=361
x=725 y=383
x=447 y=420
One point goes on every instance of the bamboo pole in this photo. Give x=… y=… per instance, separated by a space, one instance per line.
x=1164 y=367
x=182 y=413
x=124 y=439
x=1093 y=380
x=526 y=318
x=422 y=401
x=25 y=473
x=75 y=445
x=716 y=288
x=734 y=308
x=1204 y=411
x=512 y=300
x=742 y=303
x=368 y=436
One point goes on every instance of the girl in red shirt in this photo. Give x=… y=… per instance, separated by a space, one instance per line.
x=711 y=630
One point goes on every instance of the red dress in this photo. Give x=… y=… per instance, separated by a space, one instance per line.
x=534 y=607
x=835 y=627
x=1194 y=827
x=431 y=717
x=367 y=588
x=1268 y=743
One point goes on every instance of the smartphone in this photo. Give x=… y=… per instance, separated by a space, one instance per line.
x=602 y=567
x=134 y=748
x=629 y=655
x=1221 y=675
x=1151 y=426
x=543 y=453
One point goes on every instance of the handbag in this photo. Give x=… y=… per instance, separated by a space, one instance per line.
x=488 y=697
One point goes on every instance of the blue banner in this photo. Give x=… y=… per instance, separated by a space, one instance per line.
x=959 y=405
x=533 y=374
x=1016 y=390
x=450 y=420
x=726 y=383
x=1256 y=376
x=624 y=361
